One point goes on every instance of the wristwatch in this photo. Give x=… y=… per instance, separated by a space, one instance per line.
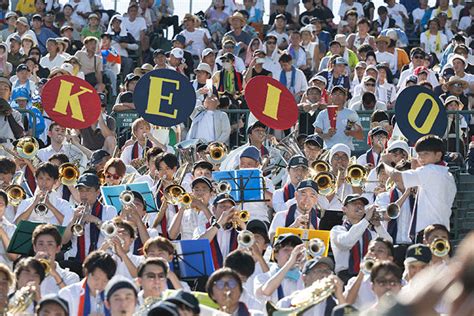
x=214 y=223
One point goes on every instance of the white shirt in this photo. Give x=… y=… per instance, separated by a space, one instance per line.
x=71 y=151
x=279 y=221
x=403 y=221
x=197 y=38
x=436 y=192
x=410 y=71
x=362 y=160
x=394 y=13
x=288 y=286
x=61 y=205
x=335 y=204
x=430 y=43
x=365 y=297
x=135 y=27
x=72 y=295
x=239 y=64
x=278 y=200
x=206 y=127
x=49 y=285
x=355 y=6
x=190 y=220
x=316 y=310
x=300 y=84
x=388 y=58
x=281 y=37
x=126 y=155
x=50 y=64
x=418 y=14
x=465 y=22
x=343 y=117
x=223 y=238
x=122 y=267
x=9 y=229
x=342 y=241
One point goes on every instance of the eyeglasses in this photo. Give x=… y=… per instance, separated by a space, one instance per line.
x=385 y=282
x=221 y=284
x=418 y=57
x=154 y=276
x=271 y=43
x=113 y=176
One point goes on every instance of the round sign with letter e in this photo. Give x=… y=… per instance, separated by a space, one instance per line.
x=271 y=102
x=164 y=97
x=420 y=112
x=71 y=102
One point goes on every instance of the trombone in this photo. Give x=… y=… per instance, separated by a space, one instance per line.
x=356 y=174
x=15 y=194
x=326 y=182
x=320 y=166
x=68 y=174
x=27 y=147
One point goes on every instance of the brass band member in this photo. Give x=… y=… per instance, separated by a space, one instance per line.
x=225 y=288
x=377 y=139
x=52 y=304
x=152 y=276
x=133 y=152
x=121 y=296
x=7 y=230
x=6 y=282
x=312 y=148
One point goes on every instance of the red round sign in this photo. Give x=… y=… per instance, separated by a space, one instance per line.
x=71 y=102
x=271 y=102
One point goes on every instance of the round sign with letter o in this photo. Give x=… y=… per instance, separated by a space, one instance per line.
x=164 y=97
x=420 y=112
x=271 y=102
x=71 y=102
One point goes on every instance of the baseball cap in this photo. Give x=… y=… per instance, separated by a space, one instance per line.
x=88 y=180
x=203 y=164
x=340 y=61
x=227 y=56
x=255 y=125
x=259 y=227
x=339 y=148
x=378 y=130
x=251 y=152
x=340 y=88
x=21 y=67
x=187 y=299
x=206 y=52
x=203 y=67
x=447 y=73
x=6 y=81
x=457 y=56
x=164 y=308
x=93 y=16
x=37 y=17
x=418 y=252
x=297 y=161
x=202 y=180
x=68 y=27
x=177 y=52
x=98 y=155
x=16 y=38
x=223 y=197
x=22 y=20
x=179 y=38
x=315 y=140
x=89 y=39
x=67 y=67
x=399 y=144
x=319 y=78
x=289 y=237
x=280 y=16
x=10 y=14
x=413 y=79
x=116 y=283
x=309 y=265
x=308 y=183
x=158 y=51
x=361 y=64
x=355 y=197
x=131 y=77
x=53 y=298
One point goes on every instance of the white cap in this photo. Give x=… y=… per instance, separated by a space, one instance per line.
x=319 y=78
x=177 y=52
x=457 y=56
x=203 y=67
x=67 y=67
x=339 y=148
x=392 y=34
x=206 y=52
x=399 y=144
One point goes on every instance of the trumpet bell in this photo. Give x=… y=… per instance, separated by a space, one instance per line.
x=326 y=182
x=246 y=239
x=356 y=175
x=173 y=193
x=223 y=187
x=68 y=173
x=15 y=194
x=217 y=152
x=126 y=197
x=367 y=265
x=244 y=216
x=320 y=166
x=186 y=199
x=27 y=147
x=316 y=247
x=440 y=247
x=109 y=229
x=393 y=211
x=46 y=265
x=78 y=229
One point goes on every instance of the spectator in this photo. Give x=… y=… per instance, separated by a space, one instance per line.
x=93 y=27
x=91 y=63
x=52 y=59
x=196 y=38
x=291 y=77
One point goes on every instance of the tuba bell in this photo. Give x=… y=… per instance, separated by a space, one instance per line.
x=440 y=247
x=217 y=152
x=15 y=194
x=289 y=146
x=246 y=239
x=316 y=247
x=326 y=182
x=68 y=174
x=27 y=147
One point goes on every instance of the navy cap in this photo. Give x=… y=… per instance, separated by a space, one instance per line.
x=203 y=164
x=53 y=298
x=130 y=77
x=448 y=73
x=418 y=252
x=179 y=38
x=255 y=125
x=308 y=183
x=158 y=51
x=187 y=299
x=340 y=61
x=259 y=227
x=88 y=180
x=355 y=197
x=315 y=140
x=21 y=67
x=378 y=130
x=119 y=282
x=309 y=265
x=98 y=155
x=164 y=308
x=297 y=161
x=251 y=152
x=224 y=197
x=345 y=309
x=202 y=180
x=16 y=38
x=413 y=79
x=289 y=237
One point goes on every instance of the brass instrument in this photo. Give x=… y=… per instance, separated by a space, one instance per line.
x=46 y=266
x=392 y=211
x=326 y=182
x=242 y=217
x=147 y=305
x=110 y=230
x=367 y=265
x=246 y=239
x=217 y=152
x=27 y=147
x=303 y=300
x=186 y=199
x=356 y=175
x=101 y=176
x=187 y=152
x=440 y=247
x=41 y=209
x=78 y=227
x=126 y=198
x=22 y=299
x=222 y=187
x=289 y=146
x=68 y=174
x=320 y=166
x=15 y=194
x=316 y=248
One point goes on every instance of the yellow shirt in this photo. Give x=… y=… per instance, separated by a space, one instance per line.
x=26 y=7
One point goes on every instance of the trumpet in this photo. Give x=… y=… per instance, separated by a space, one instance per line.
x=110 y=230
x=174 y=193
x=392 y=211
x=27 y=147
x=326 y=182
x=46 y=266
x=41 y=209
x=217 y=152
x=242 y=217
x=126 y=198
x=68 y=174
x=316 y=248
x=367 y=265
x=223 y=187
x=440 y=247
x=78 y=227
x=246 y=239
x=15 y=194
x=356 y=175
x=320 y=166
x=22 y=299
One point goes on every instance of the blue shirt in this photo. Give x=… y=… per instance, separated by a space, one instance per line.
x=343 y=117
x=42 y=37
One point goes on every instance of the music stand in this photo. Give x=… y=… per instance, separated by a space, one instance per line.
x=247 y=185
x=192 y=259
x=111 y=195
x=21 y=241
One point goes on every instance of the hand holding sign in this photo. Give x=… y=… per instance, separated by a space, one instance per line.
x=419 y=112
x=271 y=102
x=164 y=97
x=71 y=102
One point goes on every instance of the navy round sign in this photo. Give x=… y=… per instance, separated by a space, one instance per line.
x=164 y=97
x=420 y=112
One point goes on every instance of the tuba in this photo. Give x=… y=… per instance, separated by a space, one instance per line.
x=217 y=152
x=289 y=146
x=326 y=182
x=27 y=147
x=440 y=247
x=68 y=173
x=316 y=248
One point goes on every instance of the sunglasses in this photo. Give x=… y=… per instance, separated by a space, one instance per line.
x=113 y=176
x=418 y=57
x=221 y=284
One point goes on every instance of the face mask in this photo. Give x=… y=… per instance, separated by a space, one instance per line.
x=293 y=274
x=260 y=60
x=227 y=66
